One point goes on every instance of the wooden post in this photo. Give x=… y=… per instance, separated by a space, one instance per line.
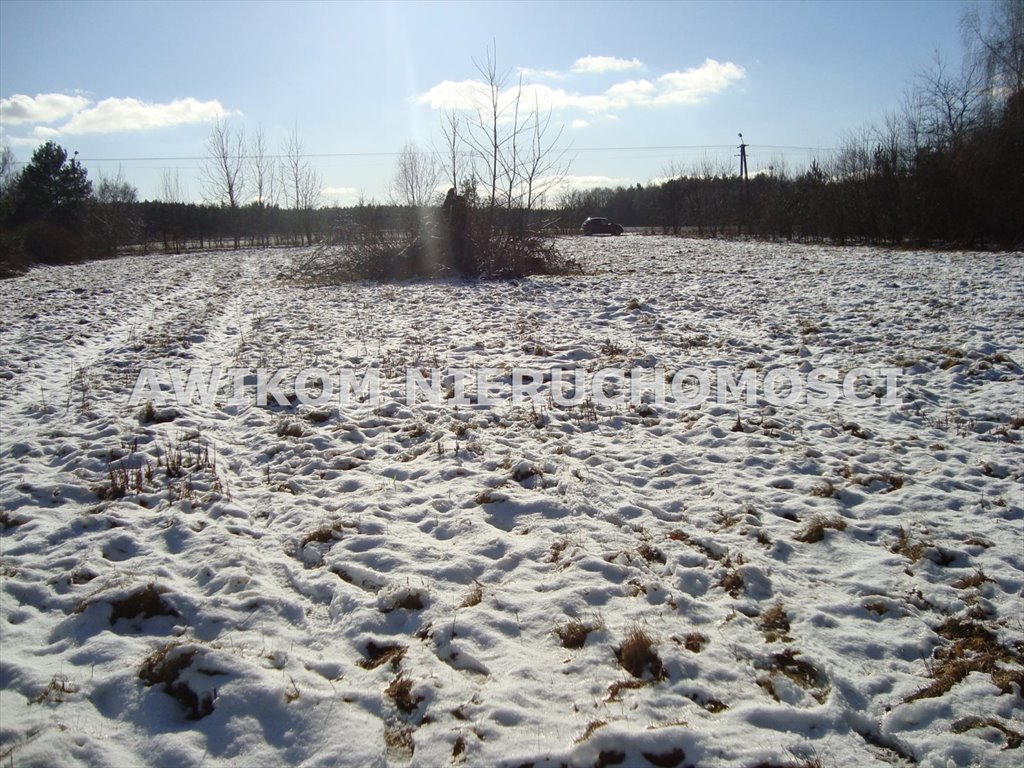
x=743 y=176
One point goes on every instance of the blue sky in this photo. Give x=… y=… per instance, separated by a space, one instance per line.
x=119 y=81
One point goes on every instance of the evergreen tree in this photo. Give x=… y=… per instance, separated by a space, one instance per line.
x=52 y=188
x=51 y=196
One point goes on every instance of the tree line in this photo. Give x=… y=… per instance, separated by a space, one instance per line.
x=947 y=166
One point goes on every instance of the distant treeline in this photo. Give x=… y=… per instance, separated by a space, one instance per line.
x=966 y=192
x=947 y=167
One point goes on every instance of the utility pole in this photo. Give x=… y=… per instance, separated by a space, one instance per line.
x=743 y=161
x=743 y=177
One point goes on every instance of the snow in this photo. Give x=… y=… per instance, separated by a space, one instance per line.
x=384 y=583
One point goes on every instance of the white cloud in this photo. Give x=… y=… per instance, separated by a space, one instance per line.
x=692 y=85
x=448 y=94
x=554 y=188
x=549 y=74
x=471 y=95
x=116 y=115
x=605 y=64
x=580 y=123
x=21 y=141
x=339 y=191
x=112 y=115
x=631 y=92
x=686 y=87
x=41 y=108
x=547 y=98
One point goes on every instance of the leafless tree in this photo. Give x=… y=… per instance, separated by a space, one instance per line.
x=171 y=190
x=115 y=220
x=952 y=100
x=7 y=174
x=516 y=146
x=262 y=173
x=453 y=156
x=998 y=45
x=487 y=137
x=300 y=182
x=173 y=194
x=913 y=110
x=544 y=164
x=223 y=175
x=416 y=177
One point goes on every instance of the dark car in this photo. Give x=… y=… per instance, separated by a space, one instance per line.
x=598 y=225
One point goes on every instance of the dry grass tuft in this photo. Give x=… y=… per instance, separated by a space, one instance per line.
x=732 y=582
x=592 y=727
x=325 y=534
x=556 y=550
x=824 y=490
x=774 y=624
x=694 y=642
x=476 y=594
x=166 y=666
x=143 y=603
x=289 y=428
x=573 y=634
x=649 y=553
x=972 y=647
x=378 y=655
x=912 y=550
x=7 y=520
x=1013 y=738
x=801 y=672
x=399 y=745
x=638 y=655
x=856 y=430
x=400 y=692
x=57 y=691
x=413 y=601
x=123 y=479
x=814 y=531
x=318 y=415
x=973 y=581
x=619 y=686
x=458 y=747
x=877 y=607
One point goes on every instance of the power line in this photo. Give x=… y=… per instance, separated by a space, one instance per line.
x=328 y=155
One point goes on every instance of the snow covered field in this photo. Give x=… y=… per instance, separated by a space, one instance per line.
x=384 y=583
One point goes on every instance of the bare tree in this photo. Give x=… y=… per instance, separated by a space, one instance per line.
x=7 y=174
x=300 y=182
x=913 y=123
x=998 y=45
x=115 y=220
x=416 y=177
x=223 y=175
x=262 y=172
x=171 y=190
x=516 y=147
x=453 y=157
x=487 y=137
x=952 y=101
x=172 y=193
x=544 y=165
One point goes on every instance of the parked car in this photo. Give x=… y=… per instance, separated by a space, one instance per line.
x=598 y=225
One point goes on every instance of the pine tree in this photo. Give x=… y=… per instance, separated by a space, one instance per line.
x=52 y=188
